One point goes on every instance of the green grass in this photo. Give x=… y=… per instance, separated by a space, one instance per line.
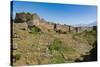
x=17 y=56
x=67 y=50
x=34 y=30
x=57 y=58
x=57 y=49
x=56 y=45
x=90 y=36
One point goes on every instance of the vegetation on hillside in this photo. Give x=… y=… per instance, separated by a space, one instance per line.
x=36 y=46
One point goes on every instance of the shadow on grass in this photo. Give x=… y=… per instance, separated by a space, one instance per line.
x=92 y=56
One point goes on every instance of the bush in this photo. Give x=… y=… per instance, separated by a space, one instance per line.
x=34 y=30
x=49 y=30
x=57 y=49
x=56 y=45
x=16 y=57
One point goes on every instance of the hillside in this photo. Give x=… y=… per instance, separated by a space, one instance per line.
x=36 y=41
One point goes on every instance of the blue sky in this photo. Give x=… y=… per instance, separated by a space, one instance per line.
x=58 y=13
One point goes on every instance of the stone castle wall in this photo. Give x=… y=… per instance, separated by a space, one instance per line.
x=34 y=19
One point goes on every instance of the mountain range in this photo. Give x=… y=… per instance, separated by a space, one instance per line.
x=86 y=25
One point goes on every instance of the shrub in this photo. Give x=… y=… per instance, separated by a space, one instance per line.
x=16 y=57
x=57 y=49
x=49 y=30
x=56 y=45
x=34 y=30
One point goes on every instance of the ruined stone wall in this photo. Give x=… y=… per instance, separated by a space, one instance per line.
x=65 y=28
x=81 y=29
x=36 y=19
x=22 y=26
x=31 y=20
x=20 y=18
x=44 y=26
